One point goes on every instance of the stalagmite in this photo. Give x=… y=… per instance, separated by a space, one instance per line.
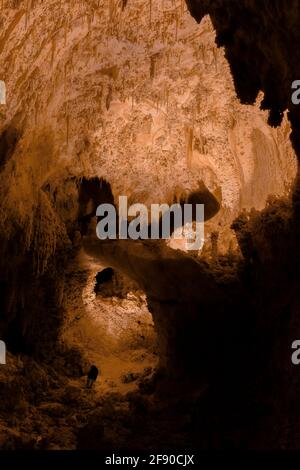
x=176 y=25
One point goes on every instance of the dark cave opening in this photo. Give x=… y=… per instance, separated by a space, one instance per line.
x=105 y=275
x=8 y=142
x=92 y=193
x=102 y=277
x=14 y=338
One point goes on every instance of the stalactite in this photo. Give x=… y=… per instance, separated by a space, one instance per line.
x=27 y=12
x=189 y=133
x=68 y=127
x=47 y=234
x=66 y=31
x=89 y=22
x=215 y=54
x=201 y=143
x=110 y=11
x=152 y=67
x=167 y=100
x=108 y=97
x=65 y=79
x=35 y=113
x=198 y=101
x=53 y=47
x=182 y=4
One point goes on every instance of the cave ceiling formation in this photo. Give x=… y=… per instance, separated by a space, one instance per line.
x=152 y=114
x=261 y=40
x=89 y=95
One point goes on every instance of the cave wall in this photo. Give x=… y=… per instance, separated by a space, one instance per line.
x=258 y=38
x=89 y=95
x=261 y=42
x=109 y=102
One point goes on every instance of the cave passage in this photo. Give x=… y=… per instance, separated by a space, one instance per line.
x=102 y=277
x=107 y=319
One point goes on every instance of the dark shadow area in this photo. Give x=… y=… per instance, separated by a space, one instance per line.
x=92 y=193
x=103 y=277
x=8 y=141
x=251 y=32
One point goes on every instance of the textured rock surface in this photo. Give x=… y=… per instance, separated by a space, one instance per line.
x=153 y=114
x=261 y=41
x=90 y=96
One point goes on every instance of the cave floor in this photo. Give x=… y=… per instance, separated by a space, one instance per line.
x=115 y=332
x=45 y=405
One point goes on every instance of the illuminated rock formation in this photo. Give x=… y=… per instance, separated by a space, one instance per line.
x=152 y=114
x=108 y=98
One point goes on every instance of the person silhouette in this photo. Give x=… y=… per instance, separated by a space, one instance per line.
x=92 y=376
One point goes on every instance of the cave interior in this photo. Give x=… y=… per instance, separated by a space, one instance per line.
x=193 y=347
